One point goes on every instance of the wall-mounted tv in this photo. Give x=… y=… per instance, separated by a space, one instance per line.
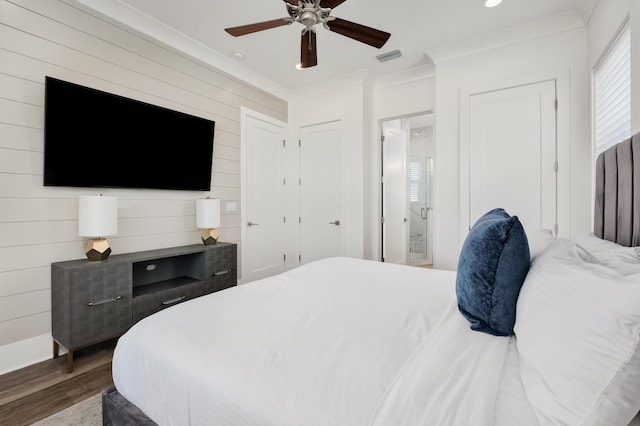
x=98 y=139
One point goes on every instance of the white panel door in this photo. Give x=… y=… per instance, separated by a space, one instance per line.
x=263 y=230
x=512 y=154
x=394 y=192
x=322 y=192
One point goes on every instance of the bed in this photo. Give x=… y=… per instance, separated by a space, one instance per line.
x=530 y=330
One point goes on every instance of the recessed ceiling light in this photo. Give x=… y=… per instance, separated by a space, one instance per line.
x=491 y=3
x=299 y=66
x=239 y=56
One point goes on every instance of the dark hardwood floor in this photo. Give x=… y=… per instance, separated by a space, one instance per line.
x=37 y=391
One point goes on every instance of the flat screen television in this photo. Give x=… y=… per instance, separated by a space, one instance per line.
x=98 y=139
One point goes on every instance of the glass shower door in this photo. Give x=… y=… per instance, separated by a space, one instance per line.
x=420 y=209
x=408 y=152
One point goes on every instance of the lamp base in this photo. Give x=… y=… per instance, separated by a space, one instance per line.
x=210 y=236
x=97 y=249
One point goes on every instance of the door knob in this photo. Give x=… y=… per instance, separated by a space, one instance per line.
x=337 y=222
x=251 y=223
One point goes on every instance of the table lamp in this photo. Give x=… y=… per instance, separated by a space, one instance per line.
x=97 y=218
x=208 y=218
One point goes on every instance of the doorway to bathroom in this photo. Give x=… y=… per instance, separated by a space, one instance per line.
x=408 y=154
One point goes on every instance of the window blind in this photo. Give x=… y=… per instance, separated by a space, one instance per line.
x=612 y=97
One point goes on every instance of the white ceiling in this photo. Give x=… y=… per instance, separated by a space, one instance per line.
x=416 y=27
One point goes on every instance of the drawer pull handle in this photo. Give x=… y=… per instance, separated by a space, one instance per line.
x=102 y=302
x=172 y=301
x=226 y=271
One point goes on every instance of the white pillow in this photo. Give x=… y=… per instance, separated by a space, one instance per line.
x=577 y=332
x=625 y=260
x=539 y=240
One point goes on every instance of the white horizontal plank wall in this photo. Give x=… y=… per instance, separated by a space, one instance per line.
x=38 y=225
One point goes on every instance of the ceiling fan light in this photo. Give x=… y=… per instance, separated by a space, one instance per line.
x=491 y=3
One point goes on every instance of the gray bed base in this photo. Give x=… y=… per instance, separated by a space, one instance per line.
x=117 y=411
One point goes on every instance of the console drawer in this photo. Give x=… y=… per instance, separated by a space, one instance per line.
x=147 y=304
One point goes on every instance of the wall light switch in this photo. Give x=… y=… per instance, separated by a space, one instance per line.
x=231 y=207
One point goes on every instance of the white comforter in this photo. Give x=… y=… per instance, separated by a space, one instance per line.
x=335 y=342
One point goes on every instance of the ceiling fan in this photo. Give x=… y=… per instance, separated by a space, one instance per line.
x=310 y=13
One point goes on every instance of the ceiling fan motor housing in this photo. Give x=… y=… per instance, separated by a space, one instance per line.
x=310 y=13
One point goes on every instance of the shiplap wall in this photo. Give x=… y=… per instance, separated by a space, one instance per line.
x=38 y=225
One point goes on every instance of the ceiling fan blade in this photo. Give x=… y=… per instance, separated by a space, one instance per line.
x=331 y=4
x=364 y=34
x=308 y=50
x=259 y=26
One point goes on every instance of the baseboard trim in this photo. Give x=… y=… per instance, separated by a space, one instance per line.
x=25 y=352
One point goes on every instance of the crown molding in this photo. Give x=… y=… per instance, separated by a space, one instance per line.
x=405 y=76
x=529 y=31
x=133 y=20
x=355 y=79
x=585 y=9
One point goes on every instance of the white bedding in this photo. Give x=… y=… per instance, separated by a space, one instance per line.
x=366 y=337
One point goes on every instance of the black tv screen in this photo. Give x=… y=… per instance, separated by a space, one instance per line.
x=98 y=139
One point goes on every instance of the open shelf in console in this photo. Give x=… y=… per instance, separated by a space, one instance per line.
x=151 y=276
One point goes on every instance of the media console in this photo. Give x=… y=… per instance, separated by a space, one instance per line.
x=94 y=301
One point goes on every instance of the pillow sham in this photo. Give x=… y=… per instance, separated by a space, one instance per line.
x=577 y=333
x=491 y=269
x=539 y=240
x=625 y=260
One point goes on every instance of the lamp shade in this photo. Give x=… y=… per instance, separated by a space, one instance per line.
x=97 y=216
x=207 y=213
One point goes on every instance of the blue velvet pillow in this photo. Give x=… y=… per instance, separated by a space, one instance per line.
x=493 y=264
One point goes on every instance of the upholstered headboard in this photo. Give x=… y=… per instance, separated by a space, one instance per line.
x=617 y=203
